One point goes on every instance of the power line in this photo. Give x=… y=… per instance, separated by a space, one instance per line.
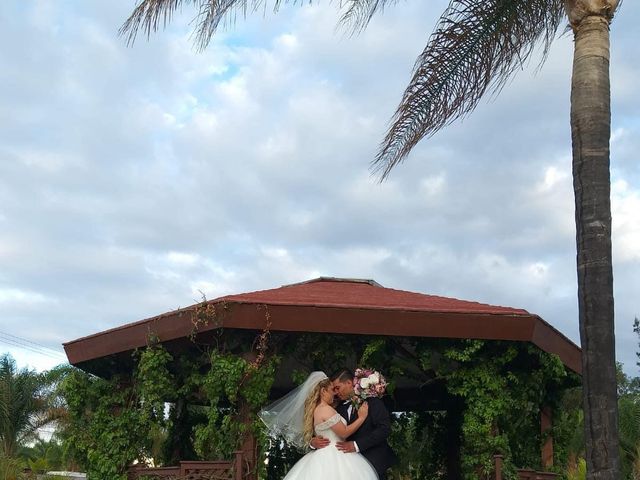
x=33 y=347
x=17 y=341
x=26 y=340
x=22 y=347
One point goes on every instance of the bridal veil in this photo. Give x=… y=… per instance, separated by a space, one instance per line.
x=285 y=417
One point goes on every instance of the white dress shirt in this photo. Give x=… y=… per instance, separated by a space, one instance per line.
x=349 y=413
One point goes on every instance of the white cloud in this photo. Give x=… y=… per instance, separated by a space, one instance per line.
x=183 y=259
x=552 y=176
x=625 y=208
x=433 y=185
x=17 y=296
x=208 y=289
x=133 y=178
x=34 y=361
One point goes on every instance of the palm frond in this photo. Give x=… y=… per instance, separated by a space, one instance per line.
x=151 y=15
x=475 y=47
x=629 y=424
x=358 y=13
x=26 y=401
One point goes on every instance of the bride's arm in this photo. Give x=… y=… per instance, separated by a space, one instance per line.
x=345 y=431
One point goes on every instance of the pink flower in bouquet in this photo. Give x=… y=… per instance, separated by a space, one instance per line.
x=367 y=383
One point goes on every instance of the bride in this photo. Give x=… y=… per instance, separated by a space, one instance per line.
x=307 y=410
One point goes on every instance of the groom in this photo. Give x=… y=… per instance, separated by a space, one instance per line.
x=371 y=438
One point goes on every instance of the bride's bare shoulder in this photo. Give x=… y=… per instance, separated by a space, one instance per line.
x=323 y=412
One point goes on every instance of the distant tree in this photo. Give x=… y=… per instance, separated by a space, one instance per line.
x=629 y=421
x=629 y=417
x=10 y=468
x=44 y=452
x=25 y=405
x=636 y=329
x=627 y=385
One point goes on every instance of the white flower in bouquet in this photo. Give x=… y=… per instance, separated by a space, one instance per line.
x=367 y=384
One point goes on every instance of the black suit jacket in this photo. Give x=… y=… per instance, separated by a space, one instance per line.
x=372 y=435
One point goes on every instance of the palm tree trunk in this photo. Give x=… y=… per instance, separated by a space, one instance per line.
x=590 y=132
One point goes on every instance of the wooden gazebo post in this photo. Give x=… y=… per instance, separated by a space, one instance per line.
x=249 y=447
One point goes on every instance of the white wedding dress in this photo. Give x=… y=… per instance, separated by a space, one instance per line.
x=329 y=463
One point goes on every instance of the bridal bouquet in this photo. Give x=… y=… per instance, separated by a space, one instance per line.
x=367 y=383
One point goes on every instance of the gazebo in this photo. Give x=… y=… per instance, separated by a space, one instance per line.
x=336 y=306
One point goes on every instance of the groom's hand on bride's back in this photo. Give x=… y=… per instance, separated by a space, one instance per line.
x=319 y=442
x=347 y=447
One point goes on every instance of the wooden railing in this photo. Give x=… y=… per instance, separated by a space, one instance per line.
x=523 y=473
x=192 y=470
x=526 y=474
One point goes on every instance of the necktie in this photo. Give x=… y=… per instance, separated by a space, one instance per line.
x=349 y=409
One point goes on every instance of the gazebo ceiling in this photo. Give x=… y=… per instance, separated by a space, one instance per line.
x=336 y=305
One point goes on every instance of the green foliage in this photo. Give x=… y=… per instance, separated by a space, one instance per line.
x=178 y=442
x=629 y=433
x=568 y=429
x=107 y=432
x=318 y=352
x=236 y=389
x=49 y=452
x=213 y=398
x=113 y=422
x=626 y=385
x=577 y=470
x=628 y=425
x=372 y=352
x=636 y=329
x=10 y=468
x=281 y=457
x=154 y=383
x=42 y=457
x=419 y=439
x=503 y=385
x=25 y=405
x=629 y=417
x=484 y=385
x=39 y=465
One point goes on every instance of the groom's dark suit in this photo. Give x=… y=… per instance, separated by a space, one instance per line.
x=371 y=437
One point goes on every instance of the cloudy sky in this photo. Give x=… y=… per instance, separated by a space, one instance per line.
x=131 y=179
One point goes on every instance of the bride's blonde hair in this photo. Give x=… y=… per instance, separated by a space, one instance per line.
x=310 y=405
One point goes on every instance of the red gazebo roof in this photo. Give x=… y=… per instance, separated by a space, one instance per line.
x=355 y=293
x=336 y=305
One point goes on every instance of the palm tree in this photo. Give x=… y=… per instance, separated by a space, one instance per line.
x=629 y=419
x=44 y=452
x=475 y=48
x=24 y=406
x=10 y=468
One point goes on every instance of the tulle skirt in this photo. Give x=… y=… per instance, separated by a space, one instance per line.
x=329 y=463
